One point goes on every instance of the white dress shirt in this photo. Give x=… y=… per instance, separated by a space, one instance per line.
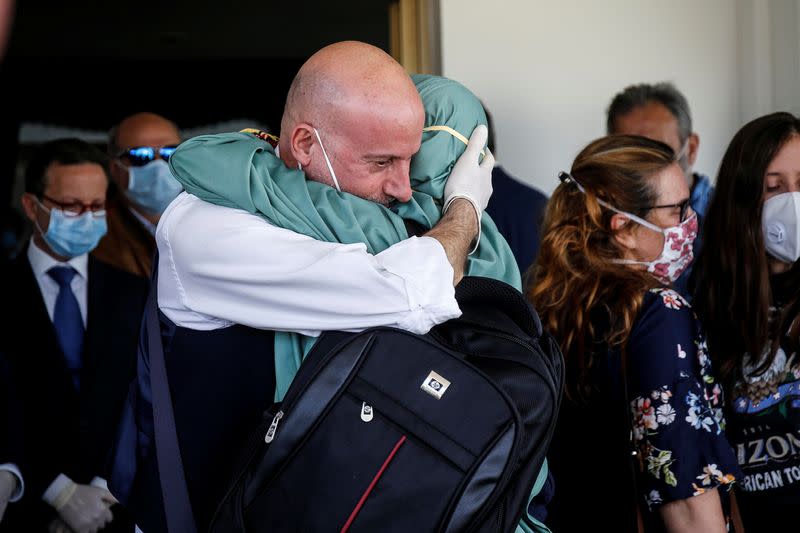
x=41 y=262
x=20 y=490
x=220 y=266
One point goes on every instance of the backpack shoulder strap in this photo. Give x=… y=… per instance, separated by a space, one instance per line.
x=175 y=493
x=478 y=295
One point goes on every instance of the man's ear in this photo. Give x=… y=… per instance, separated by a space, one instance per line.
x=28 y=202
x=622 y=229
x=300 y=142
x=691 y=151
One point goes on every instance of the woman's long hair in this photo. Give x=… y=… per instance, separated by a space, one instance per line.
x=585 y=298
x=733 y=294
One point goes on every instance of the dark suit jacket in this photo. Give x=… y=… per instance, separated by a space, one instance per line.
x=10 y=417
x=517 y=210
x=11 y=444
x=67 y=431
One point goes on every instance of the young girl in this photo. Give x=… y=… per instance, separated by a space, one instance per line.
x=748 y=297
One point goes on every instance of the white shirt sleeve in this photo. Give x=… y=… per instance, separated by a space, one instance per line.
x=20 y=490
x=54 y=489
x=220 y=266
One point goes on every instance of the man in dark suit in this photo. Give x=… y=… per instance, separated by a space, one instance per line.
x=517 y=210
x=71 y=339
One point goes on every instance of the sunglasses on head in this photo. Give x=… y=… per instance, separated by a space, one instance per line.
x=139 y=156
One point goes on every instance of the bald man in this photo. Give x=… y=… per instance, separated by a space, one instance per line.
x=228 y=279
x=139 y=148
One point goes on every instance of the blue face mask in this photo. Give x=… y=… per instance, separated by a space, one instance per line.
x=152 y=186
x=73 y=236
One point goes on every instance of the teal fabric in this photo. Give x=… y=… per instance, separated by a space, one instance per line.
x=241 y=171
x=529 y=524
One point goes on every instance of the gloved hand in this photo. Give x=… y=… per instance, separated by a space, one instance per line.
x=472 y=180
x=469 y=179
x=8 y=484
x=84 y=508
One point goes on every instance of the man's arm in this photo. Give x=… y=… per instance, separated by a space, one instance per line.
x=456 y=232
x=240 y=270
x=219 y=266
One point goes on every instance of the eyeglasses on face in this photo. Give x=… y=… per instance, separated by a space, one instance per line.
x=138 y=156
x=76 y=209
x=683 y=206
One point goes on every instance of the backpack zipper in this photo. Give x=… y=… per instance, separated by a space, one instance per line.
x=273 y=427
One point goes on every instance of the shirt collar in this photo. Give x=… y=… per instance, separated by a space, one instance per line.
x=41 y=261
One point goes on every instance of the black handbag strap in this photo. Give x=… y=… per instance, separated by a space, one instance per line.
x=635 y=454
x=174 y=492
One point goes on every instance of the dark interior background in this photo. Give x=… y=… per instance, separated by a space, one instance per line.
x=87 y=64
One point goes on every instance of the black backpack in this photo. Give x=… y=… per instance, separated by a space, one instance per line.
x=385 y=430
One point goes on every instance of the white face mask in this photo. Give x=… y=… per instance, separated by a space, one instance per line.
x=328 y=161
x=152 y=186
x=780 y=219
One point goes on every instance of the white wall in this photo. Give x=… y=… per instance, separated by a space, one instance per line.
x=547 y=69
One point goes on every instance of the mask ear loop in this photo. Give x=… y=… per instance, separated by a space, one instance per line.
x=48 y=210
x=328 y=161
x=566 y=177
x=454 y=133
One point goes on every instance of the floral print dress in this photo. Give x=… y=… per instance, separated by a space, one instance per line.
x=676 y=404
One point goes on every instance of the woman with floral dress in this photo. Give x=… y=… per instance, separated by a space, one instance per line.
x=640 y=439
x=748 y=296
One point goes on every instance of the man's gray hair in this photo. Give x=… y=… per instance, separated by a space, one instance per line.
x=644 y=93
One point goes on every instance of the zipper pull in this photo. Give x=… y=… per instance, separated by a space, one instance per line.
x=273 y=427
x=366 y=412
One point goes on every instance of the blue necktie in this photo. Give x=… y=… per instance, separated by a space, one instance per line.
x=67 y=320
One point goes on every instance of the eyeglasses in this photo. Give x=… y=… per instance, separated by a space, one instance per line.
x=139 y=156
x=76 y=209
x=683 y=206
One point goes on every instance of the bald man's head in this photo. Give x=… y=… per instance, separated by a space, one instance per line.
x=143 y=129
x=367 y=113
x=347 y=72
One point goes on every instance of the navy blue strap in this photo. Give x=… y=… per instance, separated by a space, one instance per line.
x=175 y=493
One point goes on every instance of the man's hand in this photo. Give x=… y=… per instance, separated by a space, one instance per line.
x=84 y=508
x=465 y=197
x=8 y=484
x=469 y=179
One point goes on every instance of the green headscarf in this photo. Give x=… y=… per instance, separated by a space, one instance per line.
x=240 y=170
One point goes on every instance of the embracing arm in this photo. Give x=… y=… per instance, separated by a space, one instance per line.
x=456 y=232
x=219 y=266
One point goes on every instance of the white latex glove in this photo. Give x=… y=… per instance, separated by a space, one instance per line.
x=472 y=180
x=84 y=508
x=8 y=484
x=469 y=179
